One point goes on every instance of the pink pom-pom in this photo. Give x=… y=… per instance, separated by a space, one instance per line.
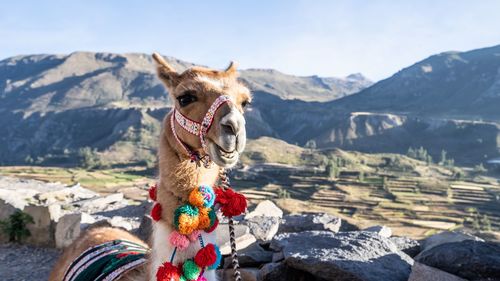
x=194 y=235
x=201 y=278
x=178 y=240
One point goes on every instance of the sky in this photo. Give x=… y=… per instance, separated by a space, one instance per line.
x=327 y=38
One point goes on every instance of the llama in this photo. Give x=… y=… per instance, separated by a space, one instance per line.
x=187 y=159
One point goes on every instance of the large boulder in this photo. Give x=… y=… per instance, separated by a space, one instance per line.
x=422 y=272
x=309 y=221
x=407 y=245
x=265 y=208
x=469 y=259
x=253 y=256
x=263 y=227
x=242 y=242
x=43 y=229
x=446 y=237
x=67 y=229
x=357 y=255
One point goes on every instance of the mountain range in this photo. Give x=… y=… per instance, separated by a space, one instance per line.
x=52 y=106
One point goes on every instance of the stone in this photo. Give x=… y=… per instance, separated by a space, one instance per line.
x=67 y=229
x=381 y=230
x=247 y=274
x=283 y=272
x=97 y=204
x=263 y=227
x=309 y=221
x=469 y=259
x=356 y=255
x=222 y=232
x=265 y=208
x=407 y=245
x=145 y=228
x=42 y=230
x=422 y=272
x=252 y=256
x=241 y=243
x=446 y=237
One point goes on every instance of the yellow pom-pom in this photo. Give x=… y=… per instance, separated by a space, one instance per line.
x=187 y=224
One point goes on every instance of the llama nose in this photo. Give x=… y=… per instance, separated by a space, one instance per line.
x=229 y=127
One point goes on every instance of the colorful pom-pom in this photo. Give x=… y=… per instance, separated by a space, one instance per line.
x=232 y=203
x=168 y=272
x=213 y=227
x=178 y=240
x=201 y=278
x=152 y=192
x=194 y=235
x=206 y=256
x=218 y=259
x=156 y=212
x=186 y=219
x=191 y=270
x=204 y=218
x=203 y=196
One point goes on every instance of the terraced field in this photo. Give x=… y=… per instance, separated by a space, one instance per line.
x=410 y=205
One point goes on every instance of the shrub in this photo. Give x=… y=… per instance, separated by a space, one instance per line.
x=15 y=226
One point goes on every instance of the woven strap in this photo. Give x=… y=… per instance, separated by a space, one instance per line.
x=232 y=240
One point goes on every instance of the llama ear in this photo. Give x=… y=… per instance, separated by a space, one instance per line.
x=166 y=72
x=231 y=69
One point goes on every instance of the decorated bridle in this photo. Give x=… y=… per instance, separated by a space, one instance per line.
x=197 y=129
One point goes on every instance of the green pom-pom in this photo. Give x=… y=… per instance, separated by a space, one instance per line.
x=212 y=216
x=191 y=270
x=182 y=278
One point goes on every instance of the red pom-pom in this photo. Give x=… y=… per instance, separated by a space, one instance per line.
x=152 y=192
x=206 y=256
x=214 y=226
x=168 y=272
x=232 y=203
x=156 y=212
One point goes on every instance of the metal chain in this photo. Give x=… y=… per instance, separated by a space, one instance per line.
x=224 y=179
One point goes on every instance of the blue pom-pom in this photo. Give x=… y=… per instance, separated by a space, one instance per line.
x=208 y=195
x=218 y=260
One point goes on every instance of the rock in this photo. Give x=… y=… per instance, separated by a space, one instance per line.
x=381 y=230
x=97 y=204
x=446 y=237
x=309 y=221
x=42 y=230
x=263 y=227
x=222 y=232
x=422 y=272
x=358 y=255
x=67 y=229
x=252 y=256
x=265 y=208
x=145 y=228
x=469 y=259
x=247 y=274
x=241 y=243
x=282 y=272
x=407 y=245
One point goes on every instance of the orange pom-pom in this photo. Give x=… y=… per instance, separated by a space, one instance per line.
x=204 y=219
x=156 y=212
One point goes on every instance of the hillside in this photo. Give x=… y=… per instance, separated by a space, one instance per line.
x=450 y=84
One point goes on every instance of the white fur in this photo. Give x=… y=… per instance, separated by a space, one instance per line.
x=162 y=250
x=216 y=83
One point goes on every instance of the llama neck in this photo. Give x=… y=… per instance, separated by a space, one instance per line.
x=177 y=177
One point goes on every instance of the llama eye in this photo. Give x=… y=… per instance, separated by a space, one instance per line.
x=186 y=98
x=245 y=104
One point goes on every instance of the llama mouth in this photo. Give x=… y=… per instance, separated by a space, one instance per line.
x=222 y=157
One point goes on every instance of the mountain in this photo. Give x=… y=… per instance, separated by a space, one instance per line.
x=52 y=106
x=451 y=84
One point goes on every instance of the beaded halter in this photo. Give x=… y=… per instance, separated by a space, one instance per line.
x=197 y=129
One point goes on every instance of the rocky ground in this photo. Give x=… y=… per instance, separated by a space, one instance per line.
x=272 y=245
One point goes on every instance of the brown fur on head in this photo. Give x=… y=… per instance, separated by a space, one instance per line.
x=227 y=135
